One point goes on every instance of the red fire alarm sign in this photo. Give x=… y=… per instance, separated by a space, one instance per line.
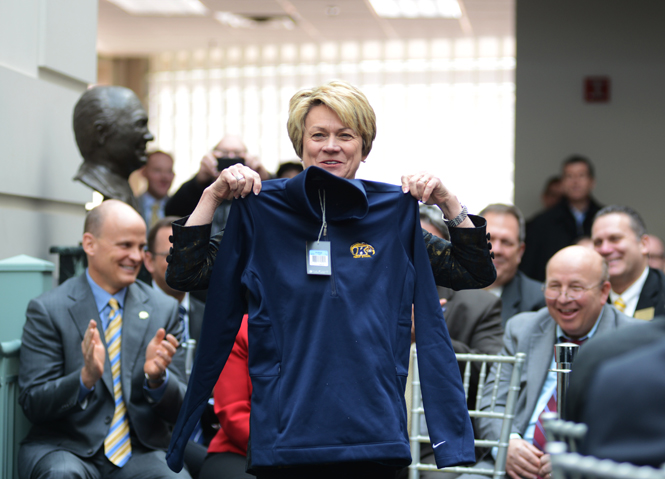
x=597 y=89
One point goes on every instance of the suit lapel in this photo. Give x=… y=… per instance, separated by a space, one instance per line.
x=135 y=321
x=649 y=294
x=541 y=351
x=82 y=311
x=511 y=297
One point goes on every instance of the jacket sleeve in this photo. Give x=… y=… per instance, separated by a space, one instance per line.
x=445 y=407
x=47 y=390
x=221 y=322
x=464 y=262
x=192 y=256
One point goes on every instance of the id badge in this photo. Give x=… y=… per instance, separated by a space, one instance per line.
x=318 y=258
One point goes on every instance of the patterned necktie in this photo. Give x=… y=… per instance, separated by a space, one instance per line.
x=183 y=324
x=154 y=213
x=620 y=304
x=117 y=445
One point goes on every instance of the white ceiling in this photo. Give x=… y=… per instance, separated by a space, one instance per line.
x=121 y=34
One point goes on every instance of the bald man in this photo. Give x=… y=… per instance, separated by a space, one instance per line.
x=576 y=290
x=101 y=376
x=230 y=150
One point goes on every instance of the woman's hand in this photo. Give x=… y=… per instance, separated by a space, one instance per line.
x=233 y=182
x=430 y=190
x=426 y=187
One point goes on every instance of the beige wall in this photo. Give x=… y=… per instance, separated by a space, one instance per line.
x=558 y=44
x=47 y=59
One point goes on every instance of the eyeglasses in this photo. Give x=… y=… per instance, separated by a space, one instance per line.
x=573 y=292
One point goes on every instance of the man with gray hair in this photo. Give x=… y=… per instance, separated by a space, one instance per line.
x=111 y=129
x=619 y=235
x=517 y=291
x=576 y=290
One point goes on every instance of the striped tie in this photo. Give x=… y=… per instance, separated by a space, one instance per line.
x=117 y=445
x=620 y=304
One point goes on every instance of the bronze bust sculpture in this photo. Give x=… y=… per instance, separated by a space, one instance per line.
x=111 y=129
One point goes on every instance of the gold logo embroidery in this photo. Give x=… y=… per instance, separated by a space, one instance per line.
x=362 y=250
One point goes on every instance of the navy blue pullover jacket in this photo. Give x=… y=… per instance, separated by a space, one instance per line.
x=328 y=355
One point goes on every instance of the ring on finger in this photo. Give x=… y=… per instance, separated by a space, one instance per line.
x=239 y=177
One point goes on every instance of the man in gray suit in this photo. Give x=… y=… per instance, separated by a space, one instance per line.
x=577 y=286
x=518 y=292
x=101 y=375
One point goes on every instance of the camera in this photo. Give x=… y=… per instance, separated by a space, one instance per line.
x=224 y=162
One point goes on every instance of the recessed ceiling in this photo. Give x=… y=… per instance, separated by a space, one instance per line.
x=122 y=34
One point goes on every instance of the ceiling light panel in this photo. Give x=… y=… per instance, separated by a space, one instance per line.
x=162 y=7
x=417 y=8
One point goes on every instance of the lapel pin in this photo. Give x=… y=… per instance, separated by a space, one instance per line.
x=143 y=315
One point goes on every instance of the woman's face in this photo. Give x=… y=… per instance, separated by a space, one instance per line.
x=331 y=145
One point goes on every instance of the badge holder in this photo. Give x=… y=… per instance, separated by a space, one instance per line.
x=318 y=252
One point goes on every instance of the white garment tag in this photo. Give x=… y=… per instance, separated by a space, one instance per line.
x=318 y=258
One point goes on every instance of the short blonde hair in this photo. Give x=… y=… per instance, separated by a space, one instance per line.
x=348 y=103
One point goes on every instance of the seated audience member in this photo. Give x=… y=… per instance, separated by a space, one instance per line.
x=227 y=452
x=518 y=292
x=576 y=290
x=627 y=420
x=159 y=173
x=553 y=192
x=190 y=309
x=289 y=169
x=562 y=224
x=656 y=252
x=101 y=376
x=229 y=150
x=619 y=235
x=190 y=312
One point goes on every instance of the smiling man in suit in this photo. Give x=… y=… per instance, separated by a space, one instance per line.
x=518 y=292
x=619 y=235
x=101 y=375
x=576 y=290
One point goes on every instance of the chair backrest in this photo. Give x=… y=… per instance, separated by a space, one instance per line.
x=14 y=426
x=568 y=432
x=570 y=465
x=481 y=362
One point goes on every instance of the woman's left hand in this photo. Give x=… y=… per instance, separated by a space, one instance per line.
x=427 y=188
x=430 y=190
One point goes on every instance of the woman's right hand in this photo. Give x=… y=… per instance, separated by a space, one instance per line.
x=233 y=182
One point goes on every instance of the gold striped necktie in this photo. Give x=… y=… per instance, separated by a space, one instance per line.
x=620 y=304
x=117 y=445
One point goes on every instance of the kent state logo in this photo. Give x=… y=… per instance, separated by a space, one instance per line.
x=362 y=250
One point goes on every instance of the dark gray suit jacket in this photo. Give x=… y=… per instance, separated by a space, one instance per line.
x=627 y=420
x=533 y=334
x=602 y=348
x=520 y=295
x=50 y=371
